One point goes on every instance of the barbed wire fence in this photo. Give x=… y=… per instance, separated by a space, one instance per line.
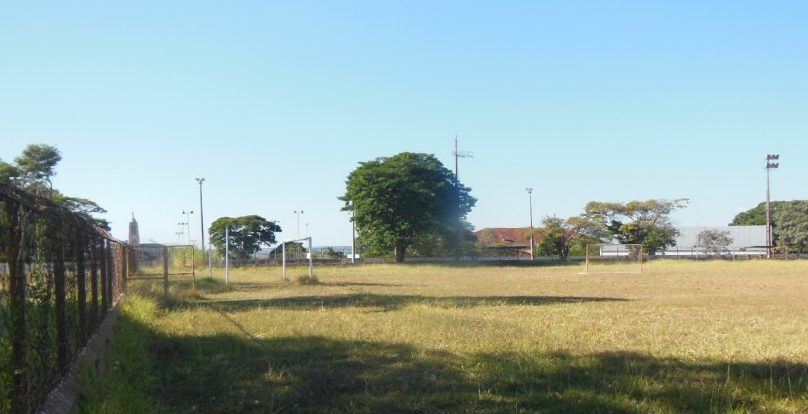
x=59 y=277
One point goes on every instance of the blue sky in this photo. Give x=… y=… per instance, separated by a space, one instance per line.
x=274 y=103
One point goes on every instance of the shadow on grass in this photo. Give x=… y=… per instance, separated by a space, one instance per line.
x=239 y=374
x=390 y=302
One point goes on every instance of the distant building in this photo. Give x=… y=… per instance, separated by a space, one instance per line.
x=504 y=241
x=134 y=233
x=746 y=240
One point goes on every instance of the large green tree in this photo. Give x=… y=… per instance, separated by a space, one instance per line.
x=247 y=233
x=558 y=236
x=791 y=225
x=37 y=164
x=396 y=200
x=756 y=216
x=637 y=222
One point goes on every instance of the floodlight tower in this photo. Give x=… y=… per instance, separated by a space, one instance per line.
x=298 y=213
x=188 y=222
x=530 y=198
x=770 y=164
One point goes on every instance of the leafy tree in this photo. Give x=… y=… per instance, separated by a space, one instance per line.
x=32 y=171
x=791 y=225
x=637 y=222
x=397 y=199
x=756 y=216
x=333 y=254
x=8 y=173
x=247 y=233
x=714 y=241
x=37 y=164
x=450 y=241
x=559 y=237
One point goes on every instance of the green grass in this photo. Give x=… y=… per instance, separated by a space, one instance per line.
x=724 y=337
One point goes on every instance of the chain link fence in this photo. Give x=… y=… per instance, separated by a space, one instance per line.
x=59 y=277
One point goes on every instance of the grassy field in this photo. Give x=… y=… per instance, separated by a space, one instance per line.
x=728 y=337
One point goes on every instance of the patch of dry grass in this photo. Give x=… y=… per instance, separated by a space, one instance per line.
x=682 y=336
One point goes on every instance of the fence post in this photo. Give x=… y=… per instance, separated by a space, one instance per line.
x=165 y=271
x=78 y=251
x=94 y=283
x=61 y=297
x=15 y=253
x=104 y=279
x=193 y=268
x=111 y=276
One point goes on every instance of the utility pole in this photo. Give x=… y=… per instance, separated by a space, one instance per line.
x=769 y=166
x=530 y=198
x=457 y=154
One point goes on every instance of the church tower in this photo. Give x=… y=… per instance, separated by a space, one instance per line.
x=134 y=234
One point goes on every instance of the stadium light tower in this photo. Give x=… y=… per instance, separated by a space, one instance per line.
x=772 y=162
x=298 y=213
x=201 y=214
x=202 y=224
x=530 y=198
x=188 y=222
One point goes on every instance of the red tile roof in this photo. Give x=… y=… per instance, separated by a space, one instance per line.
x=503 y=236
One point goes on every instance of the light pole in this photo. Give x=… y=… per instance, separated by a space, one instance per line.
x=201 y=217
x=298 y=213
x=769 y=165
x=202 y=228
x=188 y=222
x=530 y=199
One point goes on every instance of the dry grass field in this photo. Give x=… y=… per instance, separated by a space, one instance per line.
x=728 y=337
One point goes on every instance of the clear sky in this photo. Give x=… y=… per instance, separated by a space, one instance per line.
x=274 y=103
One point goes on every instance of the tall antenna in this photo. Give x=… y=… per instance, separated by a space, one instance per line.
x=458 y=155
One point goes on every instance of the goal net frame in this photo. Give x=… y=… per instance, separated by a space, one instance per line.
x=629 y=257
x=283 y=250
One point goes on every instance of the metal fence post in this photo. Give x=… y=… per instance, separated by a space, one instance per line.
x=165 y=271
x=81 y=276
x=15 y=252
x=111 y=276
x=94 y=314
x=104 y=279
x=61 y=302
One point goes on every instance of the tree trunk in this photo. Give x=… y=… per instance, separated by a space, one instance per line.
x=399 y=253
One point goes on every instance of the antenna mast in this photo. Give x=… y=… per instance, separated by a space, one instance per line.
x=458 y=155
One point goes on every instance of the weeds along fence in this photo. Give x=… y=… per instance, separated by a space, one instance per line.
x=59 y=277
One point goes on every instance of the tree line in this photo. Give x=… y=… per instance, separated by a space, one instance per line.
x=410 y=204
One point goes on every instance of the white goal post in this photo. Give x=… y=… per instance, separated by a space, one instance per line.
x=613 y=259
x=309 y=255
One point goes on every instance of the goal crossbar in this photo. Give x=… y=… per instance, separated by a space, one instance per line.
x=283 y=250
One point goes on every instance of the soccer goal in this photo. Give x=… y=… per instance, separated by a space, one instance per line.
x=297 y=245
x=613 y=258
